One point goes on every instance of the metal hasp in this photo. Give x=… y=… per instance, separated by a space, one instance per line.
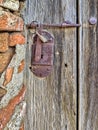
x=42 y=54
x=42 y=51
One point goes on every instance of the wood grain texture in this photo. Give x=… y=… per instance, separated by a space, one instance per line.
x=88 y=66
x=51 y=102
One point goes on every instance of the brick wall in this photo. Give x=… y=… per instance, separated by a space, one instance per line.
x=12 y=55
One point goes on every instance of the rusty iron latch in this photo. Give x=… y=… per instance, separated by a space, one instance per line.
x=42 y=53
x=65 y=24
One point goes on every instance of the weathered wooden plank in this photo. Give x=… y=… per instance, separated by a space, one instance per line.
x=51 y=102
x=88 y=66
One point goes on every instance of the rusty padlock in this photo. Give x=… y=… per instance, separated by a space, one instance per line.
x=42 y=54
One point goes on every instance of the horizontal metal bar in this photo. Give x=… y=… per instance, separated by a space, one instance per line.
x=63 y=25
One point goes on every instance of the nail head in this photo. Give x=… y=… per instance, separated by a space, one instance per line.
x=92 y=20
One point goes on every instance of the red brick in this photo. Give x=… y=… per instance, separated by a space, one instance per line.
x=7 y=112
x=1 y=1
x=10 y=4
x=22 y=127
x=8 y=76
x=21 y=66
x=10 y=22
x=5 y=58
x=2 y=92
x=16 y=38
x=4 y=37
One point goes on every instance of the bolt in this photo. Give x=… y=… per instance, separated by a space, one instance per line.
x=92 y=20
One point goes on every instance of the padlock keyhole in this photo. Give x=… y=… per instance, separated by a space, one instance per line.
x=41 y=56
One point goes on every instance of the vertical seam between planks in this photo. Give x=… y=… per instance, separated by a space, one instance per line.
x=77 y=65
x=79 y=56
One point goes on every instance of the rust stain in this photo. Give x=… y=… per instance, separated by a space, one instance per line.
x=21 y=66
x=8 y=76
x=7 y=112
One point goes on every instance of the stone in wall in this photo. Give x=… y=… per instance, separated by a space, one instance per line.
x=22 y=126
x=10 y=4
x=21 y=66
x=10 y=22
x=16 y=38
x=10 y=39
x=17 y=119
x=4 y=42
x=2 y=92
x=5 y=59
x=8 y=75
x=13 y=87
x=7 y=112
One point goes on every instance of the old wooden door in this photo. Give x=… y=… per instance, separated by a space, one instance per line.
x=67 y=98
x=51 y=101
